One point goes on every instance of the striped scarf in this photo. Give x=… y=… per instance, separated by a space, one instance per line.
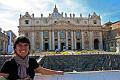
x=23 y=64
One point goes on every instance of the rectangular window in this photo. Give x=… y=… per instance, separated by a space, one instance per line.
x=69 y=35
x=55 y=34
x=78 y=35
x=62 y=35
x=45 y=34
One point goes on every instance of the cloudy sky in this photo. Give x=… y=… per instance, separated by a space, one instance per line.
x=10 y=10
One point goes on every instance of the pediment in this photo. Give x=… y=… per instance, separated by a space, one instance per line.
x=27 y=16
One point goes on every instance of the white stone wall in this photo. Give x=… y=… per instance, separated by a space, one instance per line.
x=67 y=23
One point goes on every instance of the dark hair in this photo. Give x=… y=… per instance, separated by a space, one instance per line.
x=22 y=39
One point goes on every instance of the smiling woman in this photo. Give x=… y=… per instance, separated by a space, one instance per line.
x=21 y=66
x=22 y=49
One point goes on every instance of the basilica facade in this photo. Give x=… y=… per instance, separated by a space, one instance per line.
x=61 y=31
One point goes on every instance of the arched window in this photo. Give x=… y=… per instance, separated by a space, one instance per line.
x=26 y=21
x=94 y=22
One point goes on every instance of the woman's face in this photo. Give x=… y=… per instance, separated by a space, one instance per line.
x=22 y=49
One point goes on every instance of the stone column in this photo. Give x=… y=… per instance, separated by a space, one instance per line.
x=40 y=41
x=72 y=40
x=4 y=45
x=33 y=41
x=82 y=39
x=91 y=40
x=41 y=34
x=117 y=46
x=66 y=40
x=101 y=42
x=59 y=40
x=49 y=40
x=53 y=43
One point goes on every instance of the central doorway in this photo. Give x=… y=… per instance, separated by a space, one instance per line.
x=46 y=46
x=96 y=44
x=62 y=46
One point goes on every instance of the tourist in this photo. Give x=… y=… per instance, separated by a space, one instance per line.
x=21 y=66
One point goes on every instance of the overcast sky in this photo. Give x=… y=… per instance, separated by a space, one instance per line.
x=10 y=10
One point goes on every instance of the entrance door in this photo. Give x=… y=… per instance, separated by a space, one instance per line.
x=56 y=47
x=96 y=44
x=46 y=46
x=78 y=46
x=62 y=46
x=69 y=47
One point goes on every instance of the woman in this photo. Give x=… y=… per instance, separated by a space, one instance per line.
x=21 y=66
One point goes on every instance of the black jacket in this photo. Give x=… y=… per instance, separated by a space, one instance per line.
x=11 y=68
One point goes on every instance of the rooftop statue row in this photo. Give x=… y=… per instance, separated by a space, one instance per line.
x=55 y=14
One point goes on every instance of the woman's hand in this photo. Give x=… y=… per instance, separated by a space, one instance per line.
x=45 y=71
x=60 y=72
x=4 y=75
